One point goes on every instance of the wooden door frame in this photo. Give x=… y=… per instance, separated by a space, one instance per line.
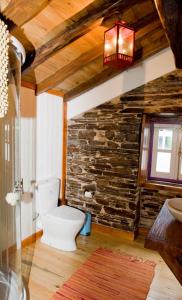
x=64 y=154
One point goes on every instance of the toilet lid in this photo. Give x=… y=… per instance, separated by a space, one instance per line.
x=67 y=213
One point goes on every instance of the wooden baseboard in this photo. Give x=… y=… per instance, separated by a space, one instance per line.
x=128 y=235
x=143 y=231
x=11 y=250
x=31 y=239
x=114 y=232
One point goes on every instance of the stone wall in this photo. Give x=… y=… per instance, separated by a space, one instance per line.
x=161 y=95
x=103 y=156
x=151 y=202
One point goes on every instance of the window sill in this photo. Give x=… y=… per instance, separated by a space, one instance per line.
x=153 y=185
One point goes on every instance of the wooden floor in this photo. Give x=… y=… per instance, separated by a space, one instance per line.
x=48 y=268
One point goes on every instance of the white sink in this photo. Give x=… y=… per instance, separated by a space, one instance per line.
x=175 y=208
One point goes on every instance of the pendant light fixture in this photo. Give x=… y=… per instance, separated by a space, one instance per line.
x=119 y=43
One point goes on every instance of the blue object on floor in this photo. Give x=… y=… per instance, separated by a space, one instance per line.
x=86 y=229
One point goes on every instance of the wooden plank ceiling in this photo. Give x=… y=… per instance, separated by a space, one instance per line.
x=67 y=39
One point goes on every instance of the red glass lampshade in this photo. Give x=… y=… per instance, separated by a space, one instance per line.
x=119 y=45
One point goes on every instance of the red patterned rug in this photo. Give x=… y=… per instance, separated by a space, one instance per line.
x=109 y=275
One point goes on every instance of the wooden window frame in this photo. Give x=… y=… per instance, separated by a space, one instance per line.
x=144 y=178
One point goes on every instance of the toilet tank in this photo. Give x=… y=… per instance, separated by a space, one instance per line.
x=46 y=195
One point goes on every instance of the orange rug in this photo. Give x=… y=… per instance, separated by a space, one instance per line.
x=109 y=275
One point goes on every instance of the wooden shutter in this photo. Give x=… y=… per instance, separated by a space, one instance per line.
x=144 y=150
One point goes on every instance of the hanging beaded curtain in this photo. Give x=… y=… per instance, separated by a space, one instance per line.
x=4 y=46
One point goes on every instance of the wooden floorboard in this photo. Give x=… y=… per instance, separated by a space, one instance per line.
x=47 y=268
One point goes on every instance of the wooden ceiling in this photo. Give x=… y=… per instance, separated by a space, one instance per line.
x=67 y=39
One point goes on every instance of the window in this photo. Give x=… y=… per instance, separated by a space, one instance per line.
x=165 y=148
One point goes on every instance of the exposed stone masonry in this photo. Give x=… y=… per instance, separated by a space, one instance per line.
x=151 y=203
x=160 y=95
x=103 y=148
x=103 y=156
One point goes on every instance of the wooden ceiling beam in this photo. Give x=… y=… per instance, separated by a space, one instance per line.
x=21 y=11
x=85 y=58
x=69 y=69
x=28 y=85
x=4 y=4
x=79 y=25
x=170 y=13
x=109 y=73
x=56 y=93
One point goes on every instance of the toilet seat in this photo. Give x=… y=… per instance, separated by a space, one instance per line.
x=61 y=226
x=66 y=213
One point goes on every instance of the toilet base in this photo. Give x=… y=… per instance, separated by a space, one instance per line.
x=65 y=245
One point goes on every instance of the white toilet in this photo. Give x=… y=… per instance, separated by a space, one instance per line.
x=60 y=224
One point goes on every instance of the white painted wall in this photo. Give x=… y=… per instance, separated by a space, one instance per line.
x=41 y=147
x=48 y=137
x=27 y=132
x=48 y=141
x=150 y=69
